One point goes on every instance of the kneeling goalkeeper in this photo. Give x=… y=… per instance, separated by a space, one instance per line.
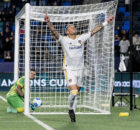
x=15 y=97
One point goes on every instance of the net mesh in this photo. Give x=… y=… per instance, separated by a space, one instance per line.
x=46 y=57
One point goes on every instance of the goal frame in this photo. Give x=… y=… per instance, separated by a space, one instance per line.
x=25 y=13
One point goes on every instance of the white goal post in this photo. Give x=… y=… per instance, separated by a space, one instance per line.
x=36 y=47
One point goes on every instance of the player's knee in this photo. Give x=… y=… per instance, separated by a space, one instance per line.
x=74 y=92
x=20 y=109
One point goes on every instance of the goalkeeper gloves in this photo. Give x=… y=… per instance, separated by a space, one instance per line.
x=32 y=106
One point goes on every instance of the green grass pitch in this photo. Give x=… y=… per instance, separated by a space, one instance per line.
x=10 y=121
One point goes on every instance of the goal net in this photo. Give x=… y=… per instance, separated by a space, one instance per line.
x=36 y=47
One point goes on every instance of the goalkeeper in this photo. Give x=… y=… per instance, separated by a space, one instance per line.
x=73 y=64
x=15 y=97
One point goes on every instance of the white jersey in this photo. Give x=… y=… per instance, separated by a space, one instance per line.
x=124 y=45
x=73 y=51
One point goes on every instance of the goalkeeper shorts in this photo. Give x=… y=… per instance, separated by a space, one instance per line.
x=15 y=101
x=74 y=77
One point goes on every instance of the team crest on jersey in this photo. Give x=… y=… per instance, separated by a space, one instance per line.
x=80 y=41
x=70 y=80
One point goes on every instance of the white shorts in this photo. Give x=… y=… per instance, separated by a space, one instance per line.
x=74 y=77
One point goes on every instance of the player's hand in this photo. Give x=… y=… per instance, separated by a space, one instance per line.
x=32 y=106
x=110 y=19
x=46 y=18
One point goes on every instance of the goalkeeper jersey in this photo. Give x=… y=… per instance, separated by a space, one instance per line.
x=19 y=82
x=73 y=51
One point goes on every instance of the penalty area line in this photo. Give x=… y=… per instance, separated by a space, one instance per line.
x=33 y=118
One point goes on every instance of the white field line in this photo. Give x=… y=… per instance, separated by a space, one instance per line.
x=40 y=123
x=33 y=118
x=2 y=98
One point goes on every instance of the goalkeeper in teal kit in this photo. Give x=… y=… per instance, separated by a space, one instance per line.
x=15 y=97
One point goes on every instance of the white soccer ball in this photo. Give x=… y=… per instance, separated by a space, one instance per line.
x=37 y=102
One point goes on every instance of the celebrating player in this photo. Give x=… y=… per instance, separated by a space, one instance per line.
x=73 y=64
x=15 y=97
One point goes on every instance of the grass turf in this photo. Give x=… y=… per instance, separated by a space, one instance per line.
x=11 y=121
x=62 y=122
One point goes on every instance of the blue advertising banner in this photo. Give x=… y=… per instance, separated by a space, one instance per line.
x=121 y=83
x=6 y=81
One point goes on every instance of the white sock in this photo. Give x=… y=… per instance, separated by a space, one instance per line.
x=75 y=102
x=71 y=101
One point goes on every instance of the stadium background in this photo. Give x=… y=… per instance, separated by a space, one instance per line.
x=8 y=10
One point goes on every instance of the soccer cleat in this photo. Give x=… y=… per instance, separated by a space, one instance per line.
x=11 y=110
x=72 y=115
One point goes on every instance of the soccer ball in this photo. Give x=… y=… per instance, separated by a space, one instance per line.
x=37 y=102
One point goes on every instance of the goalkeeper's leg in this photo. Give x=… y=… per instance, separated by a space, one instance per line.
x=16 y=104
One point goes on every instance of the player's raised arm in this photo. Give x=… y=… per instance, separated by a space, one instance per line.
x=99 y=27
x=51 y=27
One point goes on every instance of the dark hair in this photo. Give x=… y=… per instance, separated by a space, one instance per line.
x=136 y=33
x=66 y=27
x=32 y=69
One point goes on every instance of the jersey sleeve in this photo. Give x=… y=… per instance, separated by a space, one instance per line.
x=120 y=43
x=85 y=37
x=20 y=82
x=60 y=39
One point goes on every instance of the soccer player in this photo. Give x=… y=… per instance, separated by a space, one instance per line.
x=73 y=65
x=15 y=97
